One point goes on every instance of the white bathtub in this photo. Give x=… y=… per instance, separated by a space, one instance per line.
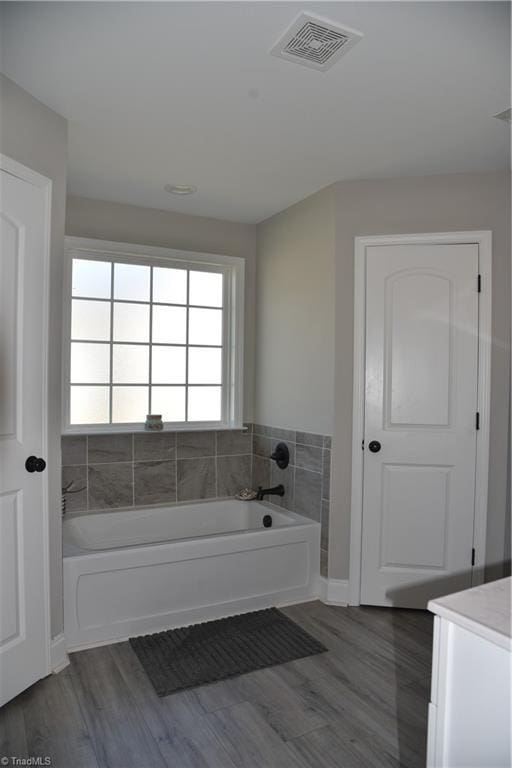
x=137 y=571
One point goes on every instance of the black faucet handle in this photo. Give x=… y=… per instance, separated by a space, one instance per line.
x=281 y=455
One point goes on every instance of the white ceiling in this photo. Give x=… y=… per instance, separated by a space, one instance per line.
x=187 y=93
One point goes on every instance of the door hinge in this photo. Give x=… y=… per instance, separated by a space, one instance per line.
x=479 y=283
x=473 y=556
x=362 y=444
x=477 y=420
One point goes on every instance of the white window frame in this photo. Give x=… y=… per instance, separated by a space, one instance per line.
x=233 y=269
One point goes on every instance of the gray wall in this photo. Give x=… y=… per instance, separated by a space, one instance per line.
x=147 y=226
x=36 y=136
x=294 y=366
x=305 y=306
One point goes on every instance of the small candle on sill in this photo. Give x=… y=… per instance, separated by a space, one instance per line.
x=154 y=422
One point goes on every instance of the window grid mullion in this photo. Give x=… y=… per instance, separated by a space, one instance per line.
x=140 y=301
x=145 y=343
x=110 y=388
x=150 y=356
x=186 y=346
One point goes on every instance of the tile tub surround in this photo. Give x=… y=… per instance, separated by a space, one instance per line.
x=306 y=480
x=141 y=469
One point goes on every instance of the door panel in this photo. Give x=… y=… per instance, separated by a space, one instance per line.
x=418 y=311
x=421 y=400
x=9 y=348
x=24 y=638
x=413 y=516
x=11 y=578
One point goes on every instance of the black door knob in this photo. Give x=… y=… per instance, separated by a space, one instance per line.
x=33 y=464
x=374 y=446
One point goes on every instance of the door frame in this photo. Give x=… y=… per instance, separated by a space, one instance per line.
x=483 y=238
x=36 y=179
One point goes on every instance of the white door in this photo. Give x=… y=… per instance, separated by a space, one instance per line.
x=24 y=634
x=420 y=422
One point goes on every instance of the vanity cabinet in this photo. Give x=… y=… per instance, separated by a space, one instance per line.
x=469 y=722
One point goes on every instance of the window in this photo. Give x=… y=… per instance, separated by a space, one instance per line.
x=155 y=331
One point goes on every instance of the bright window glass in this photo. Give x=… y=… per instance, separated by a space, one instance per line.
x=169 y=402
x=170 y=285
x=90 y=363
x=145 y=339
x=131 y=322
x=204 y=403
x=132 y=282
x=89 y=405
x=206 y=289
x=169 y=365
x=169 y=325
x=130 y=364
x=90 y=320
x=128 y=403
x=205 y=326
x=204 y=365
x=92 y=278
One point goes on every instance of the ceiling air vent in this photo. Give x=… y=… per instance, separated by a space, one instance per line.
x=315 y=42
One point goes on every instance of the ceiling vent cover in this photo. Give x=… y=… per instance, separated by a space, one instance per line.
x=315 y=42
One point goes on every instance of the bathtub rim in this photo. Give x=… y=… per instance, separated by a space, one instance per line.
x=72 y=550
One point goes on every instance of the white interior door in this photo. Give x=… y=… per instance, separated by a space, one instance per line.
x=24 y=632
x=420 y=422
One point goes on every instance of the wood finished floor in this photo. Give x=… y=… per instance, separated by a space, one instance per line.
x=363 y=704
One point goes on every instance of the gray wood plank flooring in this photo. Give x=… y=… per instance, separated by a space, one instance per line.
x=363 y=704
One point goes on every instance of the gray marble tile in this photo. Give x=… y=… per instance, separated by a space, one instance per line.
x=262 y=446
x=76 y=500
x=309 y=438
x=155 y=482
x=324 y=563
x=290 y=446
x=196 y=444
x=74 y=450
x=285 y=435
x=287 y=478
x=110 y=485
x=324 y=534
x=109 y=448
x=233 y=442
x=260 y=472
x=326 y=475
x=308 y=457
x=233 y=474
x=261 y=429
x=308 y=491
x=154 y=446
x=196 y=479
x=327 y=441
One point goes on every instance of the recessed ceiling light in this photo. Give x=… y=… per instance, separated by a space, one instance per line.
x=180 y=189
x=506 y=115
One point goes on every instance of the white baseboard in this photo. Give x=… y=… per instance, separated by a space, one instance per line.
x=58 y=653
x=333 y=591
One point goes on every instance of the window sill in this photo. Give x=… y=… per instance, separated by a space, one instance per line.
x=136 y=429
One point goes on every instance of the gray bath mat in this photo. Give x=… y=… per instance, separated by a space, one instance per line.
x=205 y=653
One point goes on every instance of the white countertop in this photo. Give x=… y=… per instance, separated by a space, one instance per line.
x=484 y=610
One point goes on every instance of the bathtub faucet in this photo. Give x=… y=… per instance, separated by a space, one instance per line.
x=278 y=490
